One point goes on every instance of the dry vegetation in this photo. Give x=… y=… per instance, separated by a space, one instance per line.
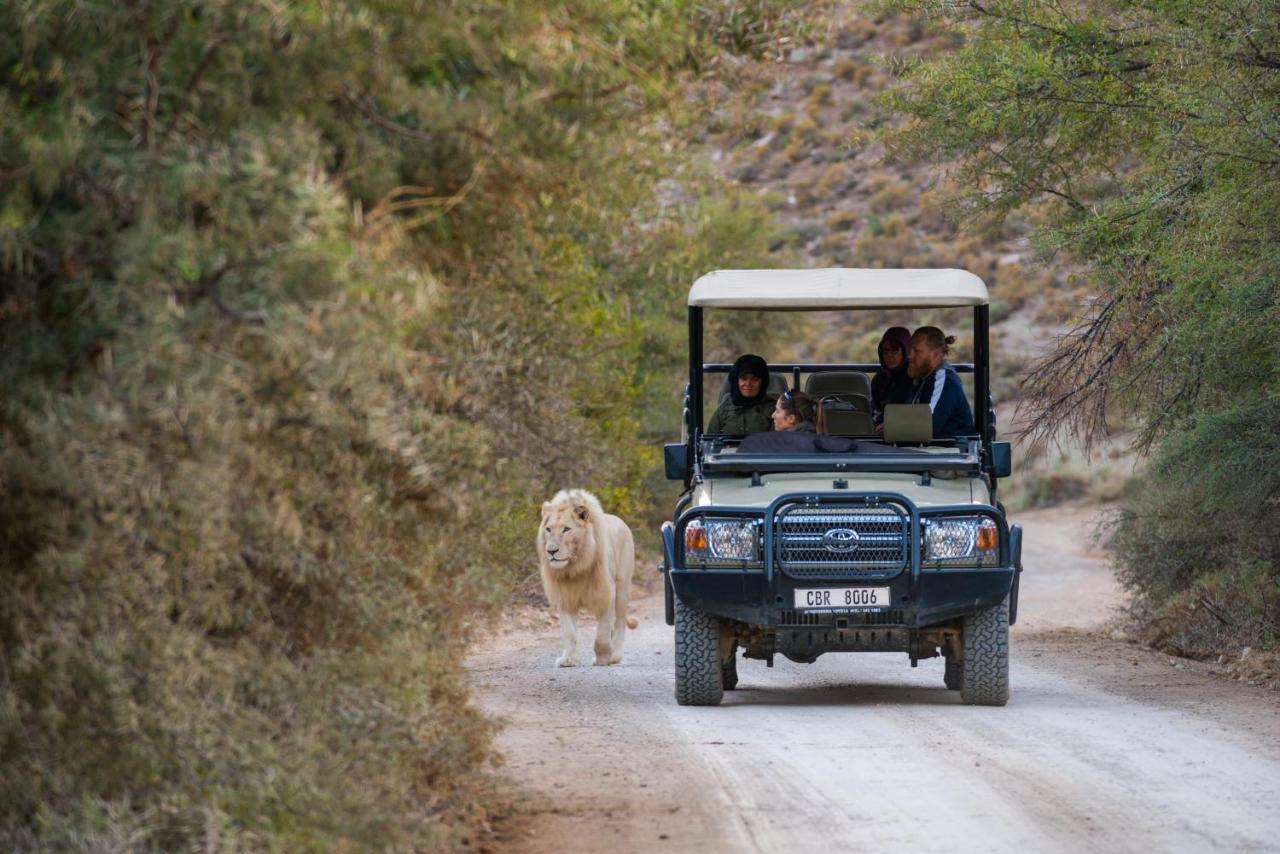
x=292 y=348
x=798 y=129
x=286 y=376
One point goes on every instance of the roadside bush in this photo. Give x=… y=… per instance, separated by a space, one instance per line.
x=1199 y=540
x=228 y=614
x=1045 y=489
x=303 y=310
x=1170 y=215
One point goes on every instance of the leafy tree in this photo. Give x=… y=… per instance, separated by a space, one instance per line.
x=1151 y=130
x=303 y=308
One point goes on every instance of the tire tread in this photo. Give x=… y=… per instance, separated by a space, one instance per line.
x=699 y=679
x=985 y=680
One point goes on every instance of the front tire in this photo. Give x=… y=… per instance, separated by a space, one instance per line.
x=986 y=657
x=699 y=679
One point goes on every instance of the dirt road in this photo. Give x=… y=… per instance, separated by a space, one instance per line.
x=1103 y=746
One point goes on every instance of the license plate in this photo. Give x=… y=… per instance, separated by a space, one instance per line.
x=842 y=598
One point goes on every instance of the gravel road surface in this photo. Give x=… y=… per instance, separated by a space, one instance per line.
x=1103 y=746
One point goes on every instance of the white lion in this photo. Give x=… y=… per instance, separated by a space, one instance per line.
x=587 y=557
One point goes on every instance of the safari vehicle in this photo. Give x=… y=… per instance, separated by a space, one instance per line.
x=881 y=545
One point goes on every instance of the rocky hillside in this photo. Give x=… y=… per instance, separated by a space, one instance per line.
x=799 y=128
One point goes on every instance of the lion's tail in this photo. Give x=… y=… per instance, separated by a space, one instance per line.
x=632 y=622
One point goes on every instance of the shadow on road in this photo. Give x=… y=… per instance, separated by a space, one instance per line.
x=841 y=695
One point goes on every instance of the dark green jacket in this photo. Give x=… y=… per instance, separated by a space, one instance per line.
x=733 y=420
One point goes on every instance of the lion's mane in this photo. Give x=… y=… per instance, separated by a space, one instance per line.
x=584 y=581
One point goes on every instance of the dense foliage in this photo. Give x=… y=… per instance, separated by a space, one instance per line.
x=304 y=307
x=1153 y=129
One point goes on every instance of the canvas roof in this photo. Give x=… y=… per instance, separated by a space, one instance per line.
x=837 y=287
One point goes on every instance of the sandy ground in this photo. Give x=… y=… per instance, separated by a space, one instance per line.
x=1103 y=746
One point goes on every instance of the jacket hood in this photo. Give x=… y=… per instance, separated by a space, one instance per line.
x=900 y=336
x=749 y=363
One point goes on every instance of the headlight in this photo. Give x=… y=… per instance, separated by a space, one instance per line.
x=722 y=540
x=961 y=541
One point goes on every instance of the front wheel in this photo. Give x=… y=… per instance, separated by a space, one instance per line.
x=986 y=657
x=699 y=679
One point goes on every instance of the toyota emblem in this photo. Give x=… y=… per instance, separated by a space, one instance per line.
x=840 y=540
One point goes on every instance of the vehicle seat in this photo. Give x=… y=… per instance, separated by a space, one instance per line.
x=838 y=382
x=845 y=415
x=778 y=383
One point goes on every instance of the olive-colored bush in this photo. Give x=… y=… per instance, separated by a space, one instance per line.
x=1198 y=539
x=303 y=309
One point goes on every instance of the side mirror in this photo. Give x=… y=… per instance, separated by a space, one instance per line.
x=676 y=460
x=1001 y=459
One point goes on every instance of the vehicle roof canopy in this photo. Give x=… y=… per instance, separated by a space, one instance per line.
x=836 y=288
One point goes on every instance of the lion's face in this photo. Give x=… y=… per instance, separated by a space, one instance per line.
x=565 y=534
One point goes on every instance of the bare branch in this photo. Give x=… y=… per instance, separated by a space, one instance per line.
x=192 y=82
x=153 y=51
x=206 y=287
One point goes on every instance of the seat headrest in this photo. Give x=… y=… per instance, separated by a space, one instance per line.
x=837 y=382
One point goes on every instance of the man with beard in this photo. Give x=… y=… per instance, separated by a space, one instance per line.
x=937 y=383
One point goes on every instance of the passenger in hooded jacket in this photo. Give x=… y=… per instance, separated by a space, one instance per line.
x=750 y=407
x=892 y=383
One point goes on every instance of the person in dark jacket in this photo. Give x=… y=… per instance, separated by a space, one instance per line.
x=937 y=383
x=892 y=383
x=794 y=412
x=750 y=407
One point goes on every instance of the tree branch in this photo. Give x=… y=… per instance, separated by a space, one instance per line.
x=153 y=51
x=192 y=82
x=206 y=287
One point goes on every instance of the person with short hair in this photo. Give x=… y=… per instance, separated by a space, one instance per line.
x=749 y=408
x=794 y=412
x=937 y=383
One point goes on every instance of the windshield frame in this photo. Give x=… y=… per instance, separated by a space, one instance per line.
x=984 y=416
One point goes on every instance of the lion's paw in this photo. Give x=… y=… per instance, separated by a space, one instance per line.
x=602 y=661
x=616 y=658
x=567 y=661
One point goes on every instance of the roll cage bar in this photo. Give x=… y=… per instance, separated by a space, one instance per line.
x=984 y=415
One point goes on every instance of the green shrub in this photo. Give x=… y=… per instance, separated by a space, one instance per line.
x=227 y=609
x=1198 y=542
x=303 y=310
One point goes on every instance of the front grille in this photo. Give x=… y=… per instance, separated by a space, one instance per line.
x=863 y=540
x=811 y=618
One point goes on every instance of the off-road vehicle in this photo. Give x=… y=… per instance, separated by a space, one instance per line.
x=878 y=545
